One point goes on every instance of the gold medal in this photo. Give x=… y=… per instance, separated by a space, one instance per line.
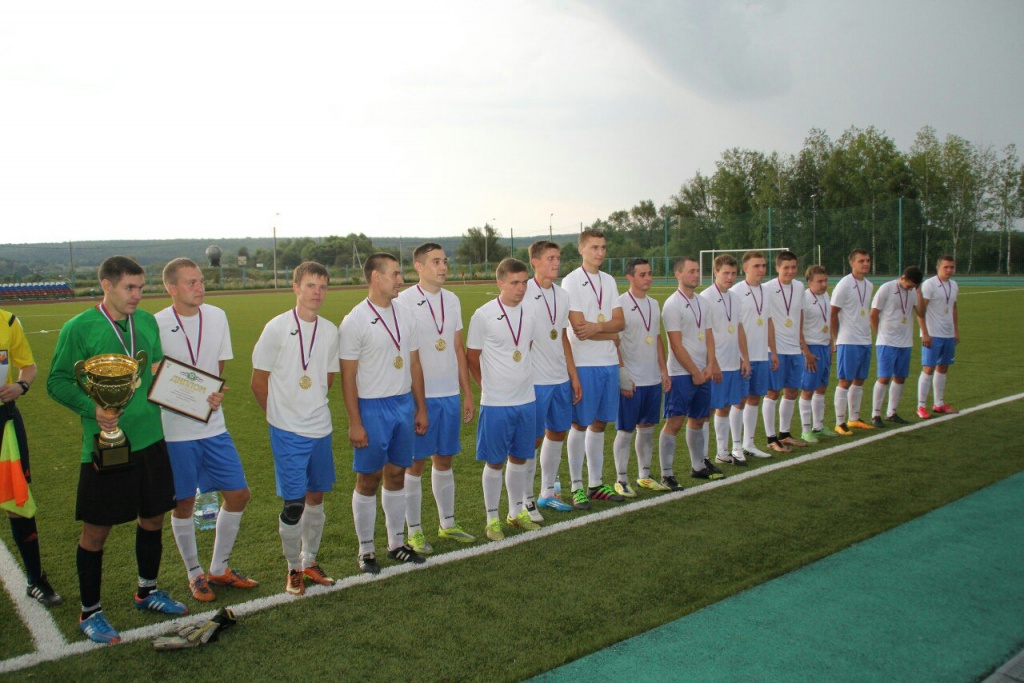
x=760 y=321
x=789 y=322
x=732 y=328
x=700 y=336
x=904 y=321
x=305 y=382
x=600 y=317
x=440 y=345
x=824 y=328
x=554 y=333
x=863 y=313
x=399 y=362
x=649 y=339
x=517 y=355
x=947 y=309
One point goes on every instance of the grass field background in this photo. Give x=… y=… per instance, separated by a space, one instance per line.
x=514 y=613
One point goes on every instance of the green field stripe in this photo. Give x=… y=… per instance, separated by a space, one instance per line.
x=939 y=599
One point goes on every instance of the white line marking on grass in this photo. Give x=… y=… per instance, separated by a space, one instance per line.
x=992 y=291
x=41 y=625
x=60 y=649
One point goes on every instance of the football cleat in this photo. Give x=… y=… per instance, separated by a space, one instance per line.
x=622 y=488
x=293 y=584
x=876 y=422
x=405 y=553
x=493 y=530
x=42 y=592
x=858 y=424
x=809 y=437
x=896 y=419
x=522 y=520
x=97 y=629
x=945 y=410
x=671 y=483
x=790 y=441
x=824 y=433
x=580 y=500
x=159 y=601
x=317 y=575
x=419 y=543
x=843 y=430
x=725 y=458
x=779 y=447
x=368 y=564
x=756 y=452
x=200 y=589
x=456 y=533
x=531 y=509
x=554 y=504
x=707 y=473
x=652 y=484
x=232 y=579
x=604 y=492
x=923 y=413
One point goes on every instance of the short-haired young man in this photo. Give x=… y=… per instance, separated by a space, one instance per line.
x=785 y=296
x=723 y=306
x=203 y=455
x=293 y=367
x=642 y=353
x=817 y=348
x=851 y=333
x=382 y=379
x=437 y=314
x=754 y=318
x=691 y=366
x=892 y=321
x=596 y=319
x=940 y=334
x=144 y=490
x=556 y=384
x=501 y=334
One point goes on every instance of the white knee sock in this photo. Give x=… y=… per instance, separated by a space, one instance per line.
x=768 y=414
x=393 y=504
x=644 y=451
x=413 y=502
x=530 y=477
x=550 y=456
x=749 y=425
x=695 y=444
x=853 y=401
x=706 y=430
x=492 y=491
x=185 y=537
x=721 y=434
x=818 y=410
x=939 y=388
x=786 y=407
x=840 y=405
x=313 y=520
x=364 y=514
x=620 y=451
x=576 y=449
x=895 y=394
x=877 y=398
x=515 y=480
x=736 y=427
x=924 y=387
x=666 y=452
x=595 y=457
x=228 y=524
x=443 y=484
x=806 y=414
x=291 y=543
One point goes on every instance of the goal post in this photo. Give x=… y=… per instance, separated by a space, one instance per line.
x=708 y=256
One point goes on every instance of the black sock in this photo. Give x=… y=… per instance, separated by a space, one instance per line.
x=24 y=531
x=783 y=436
x=148 y=548
x=90 y=577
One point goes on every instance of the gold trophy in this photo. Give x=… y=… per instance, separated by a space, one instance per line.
x=110 y=380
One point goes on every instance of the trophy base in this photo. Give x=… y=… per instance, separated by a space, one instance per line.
x=111 y=458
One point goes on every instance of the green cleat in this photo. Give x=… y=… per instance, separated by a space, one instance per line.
x=419 y=543
x=623 y=489
x=580 y=500
x=493 y=530
x=522 y=520
x=809 y=437
x=652 y=484
x=456 y=533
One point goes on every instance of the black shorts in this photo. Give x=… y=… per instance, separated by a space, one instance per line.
x=146 y=489
x=9 y=412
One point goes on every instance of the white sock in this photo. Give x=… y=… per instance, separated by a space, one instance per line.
x=594 y=445
x=786 y=407
x=895 y=394
x=492 y=491
x=550 y=457
x=854 y=399
x=840 y=405
x=364 y=514
x=721 y=434
x=806 y=414
x=877 y=398
x=736 y=427
x=644 y=451
x=706 y=432
x=818 y=410
x=924 y=387
x=939 y=388
x=443 y=484
x=749 y=425
x=695 y=444
x=228 y=524
x=393 y=504
x=768 y=414
x=291 y=543
x=515 y=480
x=413 y=502
x=530 y=478
x=185 y=537
x=576 y=449
x=313 y=520
x=666 y=452
x=620 y=451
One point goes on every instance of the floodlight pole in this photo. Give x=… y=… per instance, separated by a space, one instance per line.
x=276 y=216
x=550 y=234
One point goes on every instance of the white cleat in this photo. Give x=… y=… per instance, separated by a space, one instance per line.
x=756 y=452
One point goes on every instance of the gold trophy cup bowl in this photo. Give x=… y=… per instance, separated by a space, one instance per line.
x=110 y=380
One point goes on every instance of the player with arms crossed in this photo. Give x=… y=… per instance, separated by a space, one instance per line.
x=596 y=319
x=892 y=314
x=202 y=455
x=556 y=384
x=754 y=318
x=817 y=348
x=383 y=384
x=940 y=334
x=293 y=367
x=691 y=365
x=501 y=333
x=851 y=333
x=785 y=296
x=437 y=313
x=642 y=351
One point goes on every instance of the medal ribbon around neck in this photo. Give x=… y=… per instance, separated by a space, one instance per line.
x=860 y=295
x=757 y=306
x=397 y=341
x=787 y=304
x=302 y=346
x=553 y=314
x=650 y=312
x=821 y=308
x=728 y=311
x=117 y=330
x=515 y=336
x=697 y=317
x=948 y=293
x=199 y=342
x=599 y=295
x=904 y=300
x=440 y=330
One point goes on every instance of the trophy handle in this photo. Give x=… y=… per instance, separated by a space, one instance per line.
x=79 y=374
x=142 y=358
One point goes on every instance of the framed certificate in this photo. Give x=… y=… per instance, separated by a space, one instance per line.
x=184 y=389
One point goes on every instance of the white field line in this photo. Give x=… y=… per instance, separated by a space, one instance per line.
x=52 y=645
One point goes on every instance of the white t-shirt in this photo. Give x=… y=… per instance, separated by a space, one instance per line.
x=784 y=304
x=208 y=347
x=584 y=291
x=688 y=316
x=643 y=322
x=372 y=340
x=430 y=312
x=280 y=351
x=817 y=311
x=754 y=318
x=852 y=297
x=942 y=296
x=723 y=309
x=896 y=315
x=504 y=381
x=547 y=355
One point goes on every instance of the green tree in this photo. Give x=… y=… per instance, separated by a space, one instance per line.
x=481 y=245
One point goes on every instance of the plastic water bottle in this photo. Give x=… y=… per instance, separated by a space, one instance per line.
x=204 y=513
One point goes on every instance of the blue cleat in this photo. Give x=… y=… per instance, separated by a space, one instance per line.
x=159 y=601
x=97 y=629
x=553 y=504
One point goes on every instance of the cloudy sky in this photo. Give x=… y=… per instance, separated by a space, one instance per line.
x=204 y=119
